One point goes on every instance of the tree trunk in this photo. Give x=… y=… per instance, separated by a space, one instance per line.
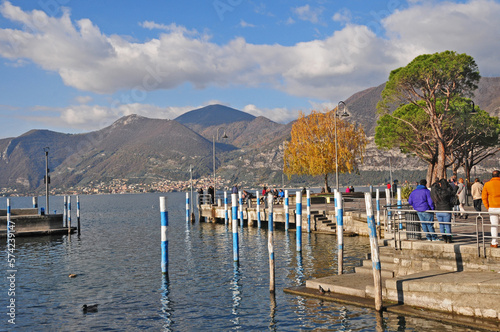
x=326 y=182
x=441 y=161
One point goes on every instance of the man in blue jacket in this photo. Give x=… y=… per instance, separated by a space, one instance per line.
x=421 y=201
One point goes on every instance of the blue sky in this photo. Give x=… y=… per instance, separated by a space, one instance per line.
x=75 y=66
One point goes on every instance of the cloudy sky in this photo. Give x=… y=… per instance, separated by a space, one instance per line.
x=75 y=66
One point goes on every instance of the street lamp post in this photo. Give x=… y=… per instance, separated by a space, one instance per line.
x=215 y=179
x=344 y=114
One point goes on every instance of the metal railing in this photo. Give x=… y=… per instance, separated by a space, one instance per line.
x=405 y=222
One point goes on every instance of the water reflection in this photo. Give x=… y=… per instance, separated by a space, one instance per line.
x=299 y=276
x=166 y=305
x=272 y=313
x=236 y=292
x=344 y=319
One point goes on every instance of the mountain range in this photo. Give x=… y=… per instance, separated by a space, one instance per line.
x=144 y=150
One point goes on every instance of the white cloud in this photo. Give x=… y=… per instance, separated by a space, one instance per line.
x=280 y=115
x=343 y=16
x=84 y=99
x=306 y=13
x=332 y=68
x=94 y=117
x=245 y=24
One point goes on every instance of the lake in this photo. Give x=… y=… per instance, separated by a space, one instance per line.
x=118 y=266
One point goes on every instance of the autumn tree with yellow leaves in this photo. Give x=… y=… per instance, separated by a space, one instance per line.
x=311 y=149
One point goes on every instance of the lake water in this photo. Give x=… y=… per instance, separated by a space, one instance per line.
x=118 y=266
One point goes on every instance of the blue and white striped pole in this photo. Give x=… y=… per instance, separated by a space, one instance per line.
x=10 y=229
x=339 y=213
x=400 y=206
x=335 y=198
x=187 y=207
x=240 y=200
x=298 y=219
x=65 y=211
x=35 y=202
x=78 y=213
x=259 y=223
x=69 y=214
x=377 y=200
x=287 y=211
x=234 y=207
x=270 y=244
x=226 y=217
x=308 y=193
x=377 y=274
x=164 y=234
x=388 y=203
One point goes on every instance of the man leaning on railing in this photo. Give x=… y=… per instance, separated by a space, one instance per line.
x=420 y=200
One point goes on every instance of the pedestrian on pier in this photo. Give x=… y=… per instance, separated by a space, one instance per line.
x=462 y=190
x=443 y=195
x=491 y=201
x=420 y=199
x=476 y=191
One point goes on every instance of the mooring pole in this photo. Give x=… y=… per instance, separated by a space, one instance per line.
x=308 y=209
x=240 y=201
x=388 y=204
x=69 y=214
x=78 y=213
x=65 y=211
x=9 y=227
x=234 y=208
x=377 y=200
x=258 y=208
x=164 y=235
x=339 y=213
x=287 y=211
x=377 y=273
x=226 y=216
x=187 y=207
x=298 y=219
x=270 y=244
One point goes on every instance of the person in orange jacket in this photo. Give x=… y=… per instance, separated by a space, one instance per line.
x=491 y=201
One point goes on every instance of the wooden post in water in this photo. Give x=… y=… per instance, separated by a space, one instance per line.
x=377 y=200
x=270 y=244
x=287 y=211
x=65 y=211
x=78 y=213
x=69 y=214
x=308 y=209
x=226 y=216
x=187 y=207
x=377 y=273
x=234 y=207
x=258 y=209
x=339 y=213
x=388 y=203
x=164 y=235
x=298 y=219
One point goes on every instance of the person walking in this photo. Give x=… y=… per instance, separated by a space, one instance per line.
x=476 y=191
x=491 y=201
x=462 y=190
x=443 y=194
x=420 y=199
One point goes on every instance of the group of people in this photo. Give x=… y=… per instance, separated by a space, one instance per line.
x=444 y=196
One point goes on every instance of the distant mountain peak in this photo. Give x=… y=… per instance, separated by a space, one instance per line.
x=214 y=115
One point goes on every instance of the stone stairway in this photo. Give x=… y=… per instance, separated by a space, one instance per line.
x=323 y=223
x=428 y=276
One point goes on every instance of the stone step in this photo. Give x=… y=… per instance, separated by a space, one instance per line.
x=385 y=264
x=369 y=270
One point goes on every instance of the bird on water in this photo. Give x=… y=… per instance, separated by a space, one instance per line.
x=89 y=308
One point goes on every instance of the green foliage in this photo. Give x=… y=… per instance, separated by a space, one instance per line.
x=406 y=190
